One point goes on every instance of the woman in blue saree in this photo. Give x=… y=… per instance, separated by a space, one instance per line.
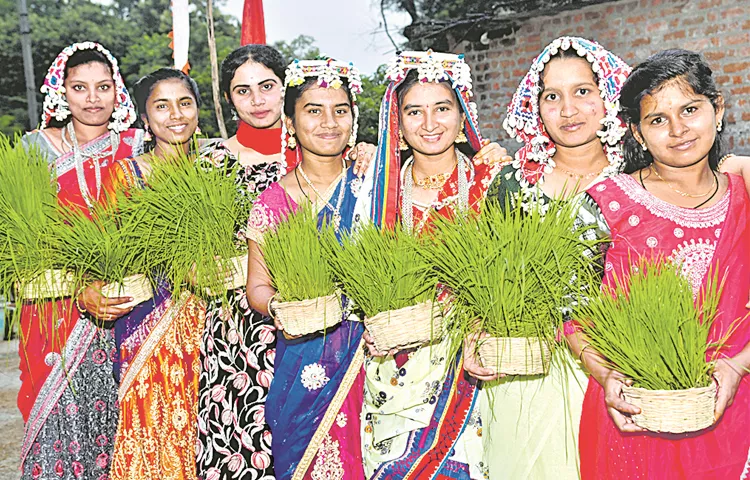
x=315 y=400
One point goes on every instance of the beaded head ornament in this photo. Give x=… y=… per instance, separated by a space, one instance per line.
x=55 y=104
x=430 y=67
x=524 y=122
x=330 y=74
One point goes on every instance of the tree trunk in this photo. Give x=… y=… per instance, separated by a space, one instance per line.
x=214 y=69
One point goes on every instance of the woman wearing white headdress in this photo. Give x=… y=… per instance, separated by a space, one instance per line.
x=68 y=396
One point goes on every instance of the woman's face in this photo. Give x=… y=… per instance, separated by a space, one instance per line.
x=256 y=95
x=90 y=93
x=323 y=120
x=171 y=112
x=430 y=118
x=678 y=125
x=570 y=104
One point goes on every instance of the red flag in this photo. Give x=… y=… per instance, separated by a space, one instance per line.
x=253 y=23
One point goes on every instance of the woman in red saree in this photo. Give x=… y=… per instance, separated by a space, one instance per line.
x=674 y=204
x=67 y=396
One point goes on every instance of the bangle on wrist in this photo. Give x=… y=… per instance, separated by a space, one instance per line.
x=269 y=306
x=580 y=354
x=80 y=309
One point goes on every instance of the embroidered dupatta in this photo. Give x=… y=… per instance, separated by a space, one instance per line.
x=315 y=398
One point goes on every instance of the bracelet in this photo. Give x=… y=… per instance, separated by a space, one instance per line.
x=80 y=309
x=269 y=308
x=580 y=354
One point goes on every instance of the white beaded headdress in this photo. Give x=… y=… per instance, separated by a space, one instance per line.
x=330 y=74
x=55 y=104
x=524 y=122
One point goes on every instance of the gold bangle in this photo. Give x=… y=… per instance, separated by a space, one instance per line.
x=580 y=354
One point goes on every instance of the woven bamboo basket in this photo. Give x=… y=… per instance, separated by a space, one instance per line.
x=308 y=316
x=136 y=286
x=406 y=327
x=49 y=284
x=236 y=268
x=516 y=356
x=239 y=272
x=673 y=411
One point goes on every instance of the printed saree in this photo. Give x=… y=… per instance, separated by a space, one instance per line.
x=315 y=400
x=67 y=396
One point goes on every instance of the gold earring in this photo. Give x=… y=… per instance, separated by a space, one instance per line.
x=292 y=143
x=461 y=137
x=644 y=147
x=719 y=125
x=402 y=145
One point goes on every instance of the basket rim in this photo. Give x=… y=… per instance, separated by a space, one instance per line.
x=712 y=386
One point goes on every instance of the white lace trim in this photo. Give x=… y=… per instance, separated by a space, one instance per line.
x=685 y=217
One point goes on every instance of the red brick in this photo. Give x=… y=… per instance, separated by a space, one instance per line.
x=675 y=35
x=693 y=21
x=640 y=42
x=733 y=12
x=736 y=67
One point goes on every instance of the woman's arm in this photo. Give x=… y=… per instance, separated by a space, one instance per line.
x=728 y=373
x=738 y=166
x=611 y=380
x=259 y=289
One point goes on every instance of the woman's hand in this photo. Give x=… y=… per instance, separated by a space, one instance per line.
x=491 y=153
x=372 y=350
x=617 y=407
x=471 y=360
x=362 y=155
x=728 y=377
x=100 y=307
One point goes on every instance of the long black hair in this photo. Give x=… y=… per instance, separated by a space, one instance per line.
x=267 y=56
x=648 y=78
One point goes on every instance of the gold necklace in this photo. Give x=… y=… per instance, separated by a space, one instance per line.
x=579 y=176
x=432 y=182
x=337 y=209
x=684 y=194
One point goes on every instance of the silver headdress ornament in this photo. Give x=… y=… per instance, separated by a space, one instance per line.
x=330 y=74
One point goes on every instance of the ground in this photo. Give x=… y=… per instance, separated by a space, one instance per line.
x=11 y=423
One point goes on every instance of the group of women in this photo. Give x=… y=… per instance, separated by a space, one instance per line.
x=183 y=388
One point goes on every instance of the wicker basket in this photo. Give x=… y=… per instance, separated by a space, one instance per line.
x=136 y=286
x=673 y=411
x=516 y=356
x=406 y=327
x=237 y=267
x=49 y=284
x=308 y=316
x=239 y=272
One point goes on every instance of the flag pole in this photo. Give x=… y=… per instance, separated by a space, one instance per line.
x=214 y=69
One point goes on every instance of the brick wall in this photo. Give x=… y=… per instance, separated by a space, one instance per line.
x=633 y=30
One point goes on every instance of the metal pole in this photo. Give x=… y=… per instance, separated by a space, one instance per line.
x=28 y=63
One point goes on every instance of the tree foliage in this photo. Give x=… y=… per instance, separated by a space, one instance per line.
x=136 y=32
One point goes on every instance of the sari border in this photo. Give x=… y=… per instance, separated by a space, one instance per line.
x=147 y=348
x=77 y=345
x=331 y=412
